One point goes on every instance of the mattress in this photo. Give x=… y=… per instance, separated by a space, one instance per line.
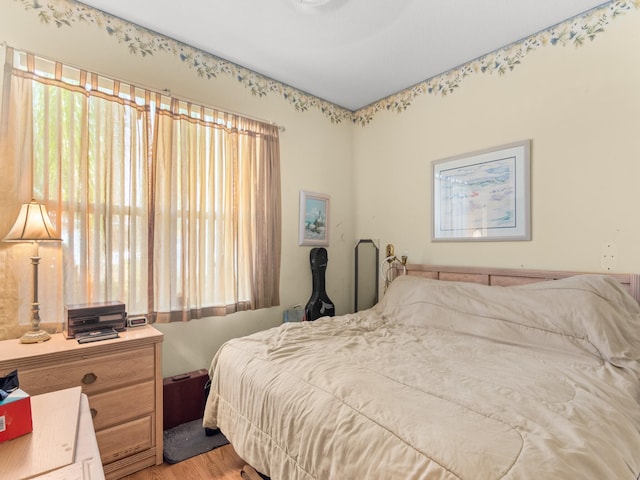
x=442 y=380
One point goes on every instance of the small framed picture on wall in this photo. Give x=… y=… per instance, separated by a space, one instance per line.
x=314 y=219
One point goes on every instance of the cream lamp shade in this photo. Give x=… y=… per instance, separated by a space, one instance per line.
x=32 y=225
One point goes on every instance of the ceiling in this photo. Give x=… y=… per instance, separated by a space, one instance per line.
x=348 y=52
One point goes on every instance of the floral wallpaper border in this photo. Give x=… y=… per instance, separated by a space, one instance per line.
x=575 y=31
x=143 y=42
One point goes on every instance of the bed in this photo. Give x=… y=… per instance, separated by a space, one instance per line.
x=455 y=374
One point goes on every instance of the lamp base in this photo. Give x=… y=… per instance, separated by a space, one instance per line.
x=35 y=336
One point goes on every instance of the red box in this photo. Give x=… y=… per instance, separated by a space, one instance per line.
x=15 y=415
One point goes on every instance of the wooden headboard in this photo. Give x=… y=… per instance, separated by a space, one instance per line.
x=509 y=276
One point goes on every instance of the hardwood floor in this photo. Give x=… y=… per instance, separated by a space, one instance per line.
x=220 y=464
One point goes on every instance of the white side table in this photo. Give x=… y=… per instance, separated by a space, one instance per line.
x=62 y=445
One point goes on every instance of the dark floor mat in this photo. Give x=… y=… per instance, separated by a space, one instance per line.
x=188 y=440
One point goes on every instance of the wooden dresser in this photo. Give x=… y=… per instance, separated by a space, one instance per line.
x=123 y=380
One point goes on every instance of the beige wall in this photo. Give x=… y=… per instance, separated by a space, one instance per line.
x=581 y=109
x=315 y=156
x=579 y=106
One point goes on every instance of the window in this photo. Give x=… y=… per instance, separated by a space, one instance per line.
x=170 y=207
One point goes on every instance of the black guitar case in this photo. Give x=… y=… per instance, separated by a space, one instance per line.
x=319 y=305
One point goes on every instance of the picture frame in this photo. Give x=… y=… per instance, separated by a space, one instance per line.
x=314 y=219
x=483 y=195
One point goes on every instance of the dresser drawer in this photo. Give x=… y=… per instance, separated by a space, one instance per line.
x=120 y=406
x=126 y=439
x=92 y=373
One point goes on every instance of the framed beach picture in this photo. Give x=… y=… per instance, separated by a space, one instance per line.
x=483 y=195
x=314 y=219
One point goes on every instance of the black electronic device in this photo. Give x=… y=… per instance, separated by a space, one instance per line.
x=91 y=317
x=319 y=305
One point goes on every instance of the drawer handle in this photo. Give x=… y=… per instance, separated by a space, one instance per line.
x=94 y=412
x=89 y=378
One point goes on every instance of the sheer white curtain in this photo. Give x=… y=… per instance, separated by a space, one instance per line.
x=171 y=208
x=87 y=161
x=216 y=215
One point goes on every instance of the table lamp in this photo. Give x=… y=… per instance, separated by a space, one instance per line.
x=33 y=225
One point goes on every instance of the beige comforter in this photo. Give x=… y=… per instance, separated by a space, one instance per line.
x=442 y=380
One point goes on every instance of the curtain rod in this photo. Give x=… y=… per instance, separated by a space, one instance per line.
x=167 y=91
x=162 y=91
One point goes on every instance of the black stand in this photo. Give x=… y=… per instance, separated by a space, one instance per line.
x=319 y=305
